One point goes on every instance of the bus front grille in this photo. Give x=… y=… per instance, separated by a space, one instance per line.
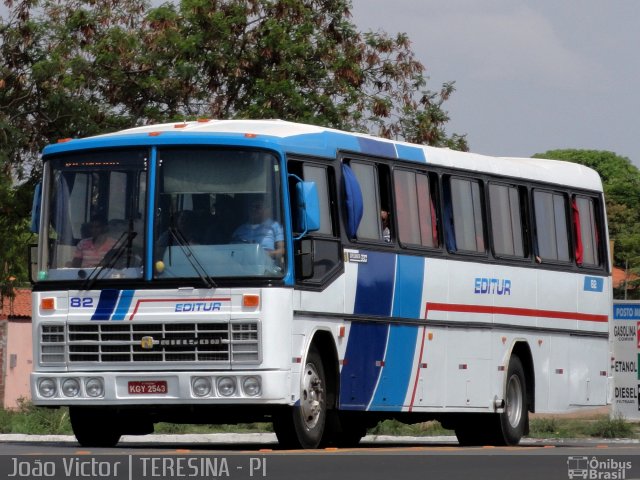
x=236 y=342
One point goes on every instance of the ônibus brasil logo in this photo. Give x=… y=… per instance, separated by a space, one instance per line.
x=597 y=469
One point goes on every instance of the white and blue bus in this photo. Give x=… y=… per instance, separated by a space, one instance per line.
x=241 y=271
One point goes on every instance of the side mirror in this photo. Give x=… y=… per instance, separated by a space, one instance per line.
x=32 y=255
x=35 y=209
x=304 y=259
x=308 y=206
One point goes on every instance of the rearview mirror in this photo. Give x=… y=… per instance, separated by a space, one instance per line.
x=35 y=209
x=308 y=207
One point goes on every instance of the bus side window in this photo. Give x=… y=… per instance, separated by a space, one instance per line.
x=374 y=181
x=325 y=246
x=321 y=176
x=506 y=206
x=417 y=223
x=586 y=231
x=464 y=224
x=318 y=174
x=551 y=226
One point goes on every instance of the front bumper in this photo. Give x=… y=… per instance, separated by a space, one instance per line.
x=175 y=388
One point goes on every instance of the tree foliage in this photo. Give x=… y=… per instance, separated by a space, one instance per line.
x=72 y=68
x=621 y=182
x=77 y=67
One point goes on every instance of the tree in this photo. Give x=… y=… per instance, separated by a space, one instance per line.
x=621 y=183
x=72 y=68
x=77 y=67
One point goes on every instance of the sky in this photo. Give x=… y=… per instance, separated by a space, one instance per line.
x=530 y=75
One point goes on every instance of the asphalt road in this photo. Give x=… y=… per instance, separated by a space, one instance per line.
x=257 y=456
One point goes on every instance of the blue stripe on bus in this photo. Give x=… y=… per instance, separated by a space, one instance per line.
x=374 y=291
x=396 y=373
x=406 y=152
x=359 y=374
x=367 y=342
x=407 y=300
x=398 y=361
x=123 y=305
x=106 y=304
x=376 y=147
x=323 y=144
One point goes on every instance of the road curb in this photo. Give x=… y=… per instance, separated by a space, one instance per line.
x=270 y=439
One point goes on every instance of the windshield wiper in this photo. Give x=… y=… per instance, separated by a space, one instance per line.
x=111 y=258
x=191 y=257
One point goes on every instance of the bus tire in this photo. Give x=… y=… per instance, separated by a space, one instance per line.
x=350 y=436
x=94 y=427
x=471 y=429
x=505 y=428
x=343 y=430
x=510 y=425
x=302 y=425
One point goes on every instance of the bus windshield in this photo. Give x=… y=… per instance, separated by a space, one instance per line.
x=219 y=214
x=94 y=216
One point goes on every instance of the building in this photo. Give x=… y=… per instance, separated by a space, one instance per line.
x=16 y=352
x=625 y=284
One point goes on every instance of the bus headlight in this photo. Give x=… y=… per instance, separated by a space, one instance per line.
x=47 y=387
x=71 y=387
x=201 y=386
x=251 y=386
x=226 y=386
x=94 y=387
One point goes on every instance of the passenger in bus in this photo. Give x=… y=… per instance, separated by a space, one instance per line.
x=91 y=250
x=386 y=231
x=261 y=228
x=536 y=250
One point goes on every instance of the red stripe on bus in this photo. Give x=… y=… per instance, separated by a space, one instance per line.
x=415 y=384
x=514 y=311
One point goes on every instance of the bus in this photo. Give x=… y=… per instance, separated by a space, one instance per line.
x=229 y=271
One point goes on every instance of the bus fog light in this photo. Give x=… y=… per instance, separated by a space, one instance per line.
x=226 y=386
x=71 y=387
x=94 y=387
x=47 y=387
x=251 y=386
x=201 y=386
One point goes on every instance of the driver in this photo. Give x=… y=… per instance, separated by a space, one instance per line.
x=261 y=228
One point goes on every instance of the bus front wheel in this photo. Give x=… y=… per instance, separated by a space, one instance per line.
x=94 y=427
x=302 y=425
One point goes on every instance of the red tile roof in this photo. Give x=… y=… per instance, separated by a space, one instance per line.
x=619 y=278
x=19 y=306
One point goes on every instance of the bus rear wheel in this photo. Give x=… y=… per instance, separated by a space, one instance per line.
x=511 y=423
x=505 y=428
x=302 y=425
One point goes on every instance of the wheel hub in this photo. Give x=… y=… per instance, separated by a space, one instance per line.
x=312 y=396
x=514 y=401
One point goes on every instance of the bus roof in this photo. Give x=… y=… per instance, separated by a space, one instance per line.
x=320 y=141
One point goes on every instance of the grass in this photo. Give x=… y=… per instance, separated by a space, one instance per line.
x=597 y=427
x=33 y=420
x=394 y=427
x=178 y=428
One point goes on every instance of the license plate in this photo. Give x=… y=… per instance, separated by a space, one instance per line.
x=148 y=387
